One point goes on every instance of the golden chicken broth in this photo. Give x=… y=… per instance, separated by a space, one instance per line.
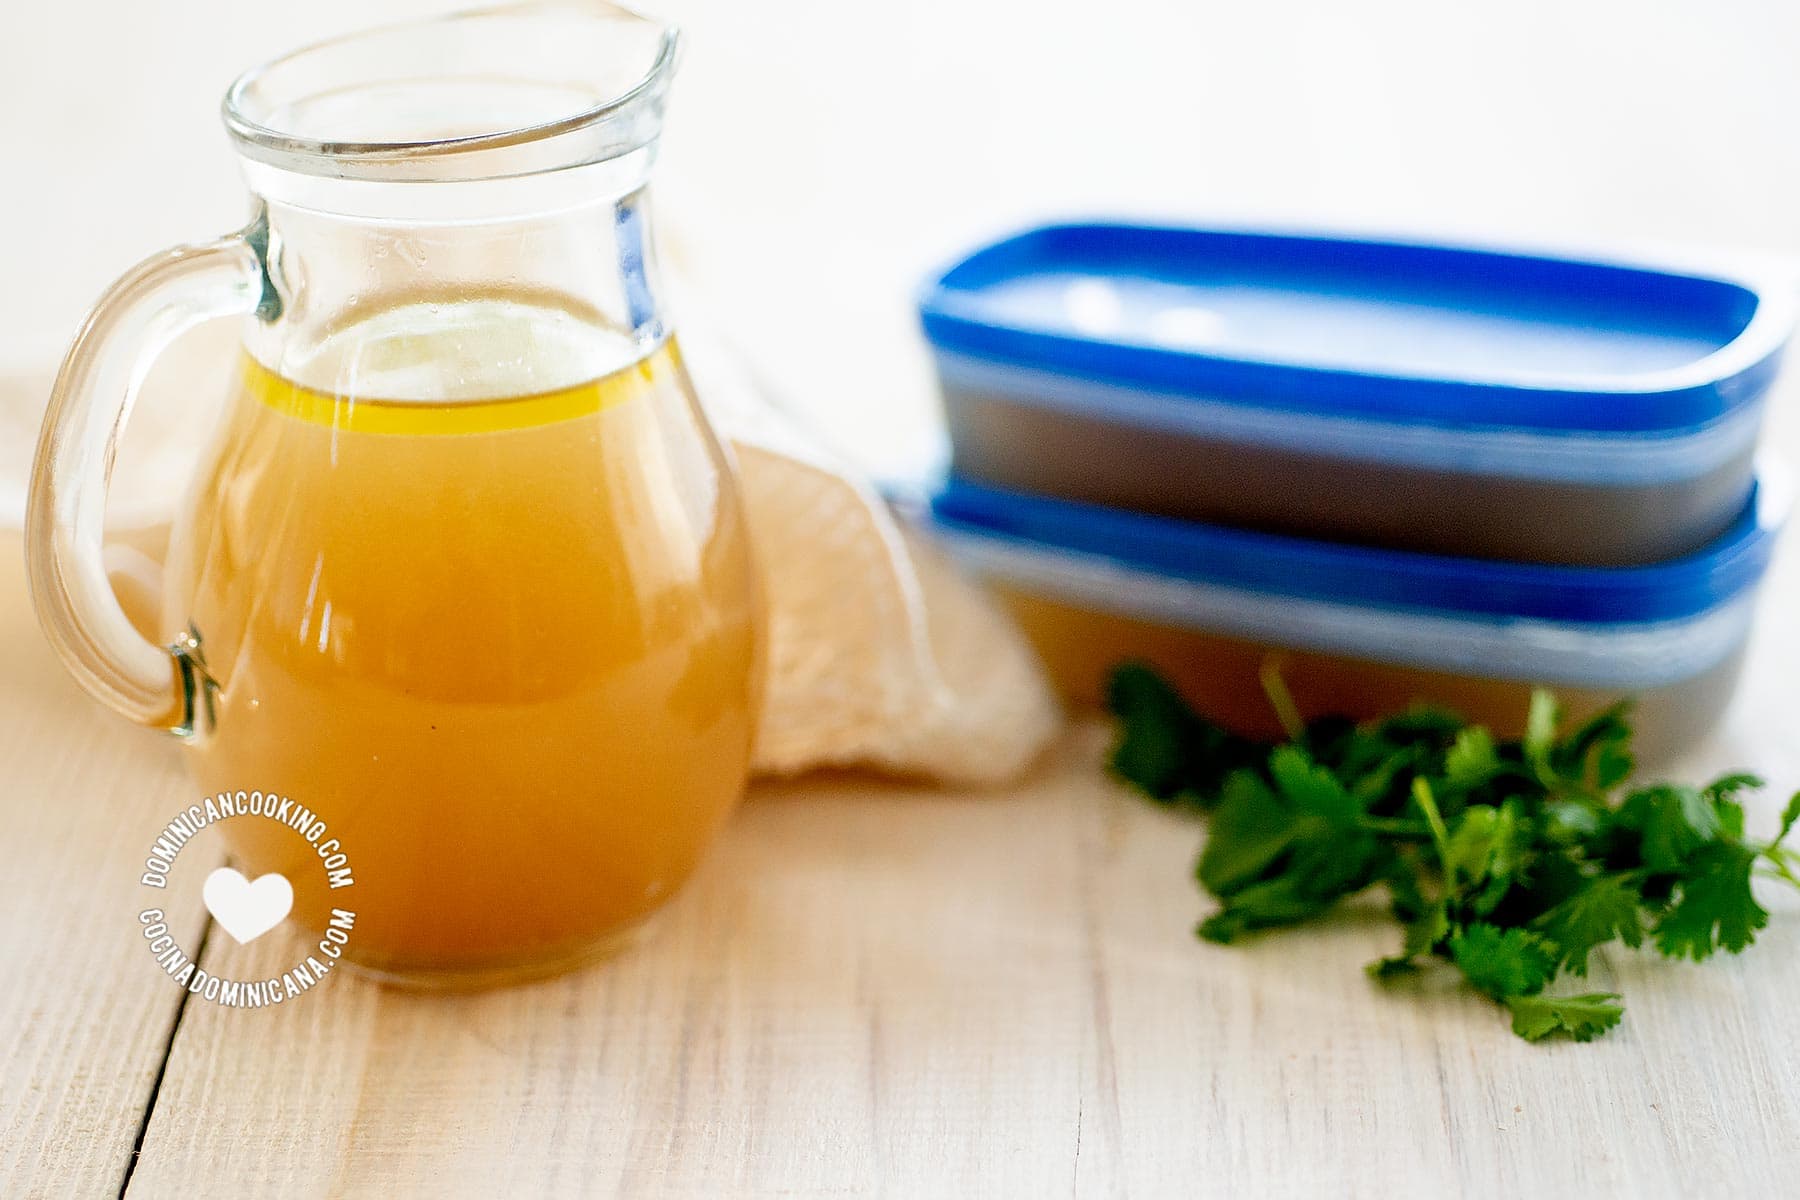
x=1222 y=678
x=505 y=647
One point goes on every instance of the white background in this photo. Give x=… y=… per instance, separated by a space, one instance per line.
x=823 y=154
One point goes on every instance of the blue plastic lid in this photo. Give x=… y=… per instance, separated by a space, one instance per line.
x=1369 y=576
x=1418 y=333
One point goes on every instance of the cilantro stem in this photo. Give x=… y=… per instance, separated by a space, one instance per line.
x=1396 y=827
x=1776 y=857
x=1280 y=699
x=1427 y=803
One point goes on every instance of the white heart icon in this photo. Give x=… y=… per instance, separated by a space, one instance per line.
x=247 y=910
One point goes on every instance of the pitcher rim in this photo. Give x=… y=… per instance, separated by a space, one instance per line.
x=473 y=156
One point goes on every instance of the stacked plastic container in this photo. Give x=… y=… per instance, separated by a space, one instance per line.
x=1394 y=473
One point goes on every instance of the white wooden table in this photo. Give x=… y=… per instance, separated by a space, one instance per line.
x=869 y=989
x=876 y=989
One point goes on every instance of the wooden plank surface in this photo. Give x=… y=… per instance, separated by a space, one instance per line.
x=84 y=1017
x=874 y=990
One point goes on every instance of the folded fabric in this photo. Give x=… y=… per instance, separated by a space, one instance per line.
x=880 y=654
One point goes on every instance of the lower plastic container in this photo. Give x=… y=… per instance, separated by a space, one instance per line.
x=1360 y=631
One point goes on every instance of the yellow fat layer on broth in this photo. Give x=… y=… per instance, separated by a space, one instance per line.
x=357 y=414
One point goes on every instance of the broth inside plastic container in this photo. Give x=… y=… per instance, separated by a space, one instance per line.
x=1363 y=632
x=1224 y=678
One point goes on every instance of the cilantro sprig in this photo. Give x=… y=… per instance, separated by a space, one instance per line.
x=1508 y=861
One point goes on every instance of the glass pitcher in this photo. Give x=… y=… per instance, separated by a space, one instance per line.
x=464 y=571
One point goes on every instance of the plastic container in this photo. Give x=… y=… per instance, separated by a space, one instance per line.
x=1361 y=631
x=1423 y=397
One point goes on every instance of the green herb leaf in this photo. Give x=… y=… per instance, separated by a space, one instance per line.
x=1670 y=822
x=1789 y=817
x=1284 y=853
x=1728 y=787
x=1597 y=755
x=1286 y=900
x=1715 y=909
x=1160 y=736
x=1250 y=831
x=1485 y=854
x=1164 y=749
x=1471 y=761
x=1583 y=1018
x=1605 y=910
x=1504 y=962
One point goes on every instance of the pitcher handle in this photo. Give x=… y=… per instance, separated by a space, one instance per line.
x=146 y=309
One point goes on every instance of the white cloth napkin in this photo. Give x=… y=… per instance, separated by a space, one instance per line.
x=880 y=655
